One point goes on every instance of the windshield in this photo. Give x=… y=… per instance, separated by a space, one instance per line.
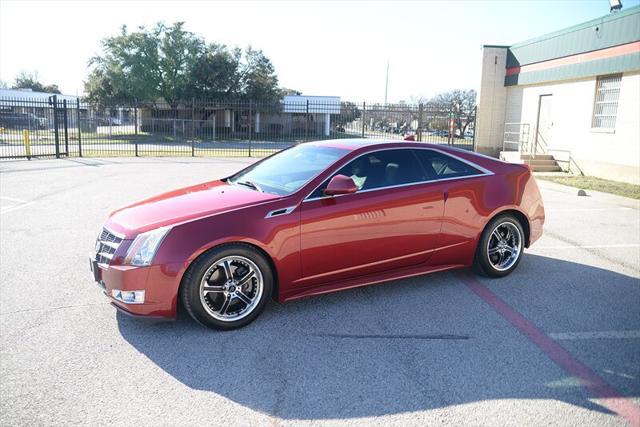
x=287 y=171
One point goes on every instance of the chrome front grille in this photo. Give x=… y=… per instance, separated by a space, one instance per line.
x=106 y=246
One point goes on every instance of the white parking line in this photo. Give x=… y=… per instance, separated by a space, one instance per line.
x=12 y=199
x=617 y=208
x=17 y=204
x=594 y=335
x=622 y=245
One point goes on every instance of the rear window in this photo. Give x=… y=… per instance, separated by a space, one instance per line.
x=440 y=166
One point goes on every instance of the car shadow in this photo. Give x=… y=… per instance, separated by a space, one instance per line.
x=411 y=345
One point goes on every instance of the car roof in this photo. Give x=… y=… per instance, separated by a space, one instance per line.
x=352 y=144
x=362 y=144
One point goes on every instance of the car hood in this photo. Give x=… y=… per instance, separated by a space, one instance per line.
x=183 y=205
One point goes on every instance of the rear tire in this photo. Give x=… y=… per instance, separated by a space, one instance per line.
x=227 y=287
x=500 y=247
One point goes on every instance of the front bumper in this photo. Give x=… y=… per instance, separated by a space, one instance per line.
x=159 y=282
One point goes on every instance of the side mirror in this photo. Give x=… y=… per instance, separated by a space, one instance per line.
x=340 y=184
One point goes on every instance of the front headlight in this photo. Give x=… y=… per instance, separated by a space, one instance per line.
x=144 y=247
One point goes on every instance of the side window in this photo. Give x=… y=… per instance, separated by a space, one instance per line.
x=439 y=166
x=380 y=169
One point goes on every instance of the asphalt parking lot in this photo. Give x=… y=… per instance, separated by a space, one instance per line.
x=557 y=342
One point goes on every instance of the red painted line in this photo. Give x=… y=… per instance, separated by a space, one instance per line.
x=598 y=388
x=610 y=52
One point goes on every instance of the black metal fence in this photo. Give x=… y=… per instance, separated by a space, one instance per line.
x=62 y=126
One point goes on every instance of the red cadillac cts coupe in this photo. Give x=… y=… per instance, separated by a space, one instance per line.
x=316 y=218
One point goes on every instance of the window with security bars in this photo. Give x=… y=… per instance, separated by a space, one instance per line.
x=605 y=106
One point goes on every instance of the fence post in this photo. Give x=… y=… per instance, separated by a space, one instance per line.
x=420 y=124
x=79 y=131
x=193 y=127
x=306 y=123
x=250 y=127
x=364 y=110
x=54 y=101
x=213 y=125
x=450 y=128
x=66 y=128
x=135 y=140
x=475 y=118
x=135 y=119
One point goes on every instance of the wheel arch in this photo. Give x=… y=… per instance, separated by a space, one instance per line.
x=203 y=252
x=519 y=215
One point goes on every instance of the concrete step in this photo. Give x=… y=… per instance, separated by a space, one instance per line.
x=541 y=162
x=537 y=163
x=537 y=157
x=546 y=168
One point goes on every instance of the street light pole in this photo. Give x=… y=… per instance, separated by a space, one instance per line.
x=386 y=84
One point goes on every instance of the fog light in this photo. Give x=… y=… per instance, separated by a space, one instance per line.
x=128 y=297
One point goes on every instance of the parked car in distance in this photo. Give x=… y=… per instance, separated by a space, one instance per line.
x=316 y=218
x=16 y=120
x=107 y=121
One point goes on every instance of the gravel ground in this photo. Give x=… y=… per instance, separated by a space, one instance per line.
x=557 y=342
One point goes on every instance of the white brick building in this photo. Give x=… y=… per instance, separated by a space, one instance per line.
x=575 y=92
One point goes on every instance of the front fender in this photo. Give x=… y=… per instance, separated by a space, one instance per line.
x=278 y=237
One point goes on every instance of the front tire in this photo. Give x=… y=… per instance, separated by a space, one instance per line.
x=227 y=287
x=500 y=247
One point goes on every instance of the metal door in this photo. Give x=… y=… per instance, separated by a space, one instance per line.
x=544 y=124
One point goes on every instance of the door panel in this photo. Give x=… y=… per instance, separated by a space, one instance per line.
x=369 y=231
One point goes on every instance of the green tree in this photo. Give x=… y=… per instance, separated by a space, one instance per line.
x=146 y=65
x=258 y=79
x=30 y=80
x=172 y=64
x=287 y=91
x=214 y=72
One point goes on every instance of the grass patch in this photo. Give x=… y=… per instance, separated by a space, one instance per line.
x=596 y=184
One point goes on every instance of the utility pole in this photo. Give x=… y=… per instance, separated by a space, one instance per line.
x=386 y=85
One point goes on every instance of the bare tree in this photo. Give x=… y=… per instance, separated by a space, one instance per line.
x=462 y=104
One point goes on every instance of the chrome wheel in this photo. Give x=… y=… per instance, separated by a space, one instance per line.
x=231 y=288
x=504 y=246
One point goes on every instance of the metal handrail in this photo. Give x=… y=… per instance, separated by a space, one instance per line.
x=521 y=135
x=539 y=141
x=569 y=161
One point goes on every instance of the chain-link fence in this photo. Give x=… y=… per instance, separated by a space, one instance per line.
x=69 y=127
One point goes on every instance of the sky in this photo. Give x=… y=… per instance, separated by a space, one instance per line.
x=319 y=48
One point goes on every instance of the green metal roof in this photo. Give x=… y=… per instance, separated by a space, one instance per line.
x=618 y=64
x=612 y=30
